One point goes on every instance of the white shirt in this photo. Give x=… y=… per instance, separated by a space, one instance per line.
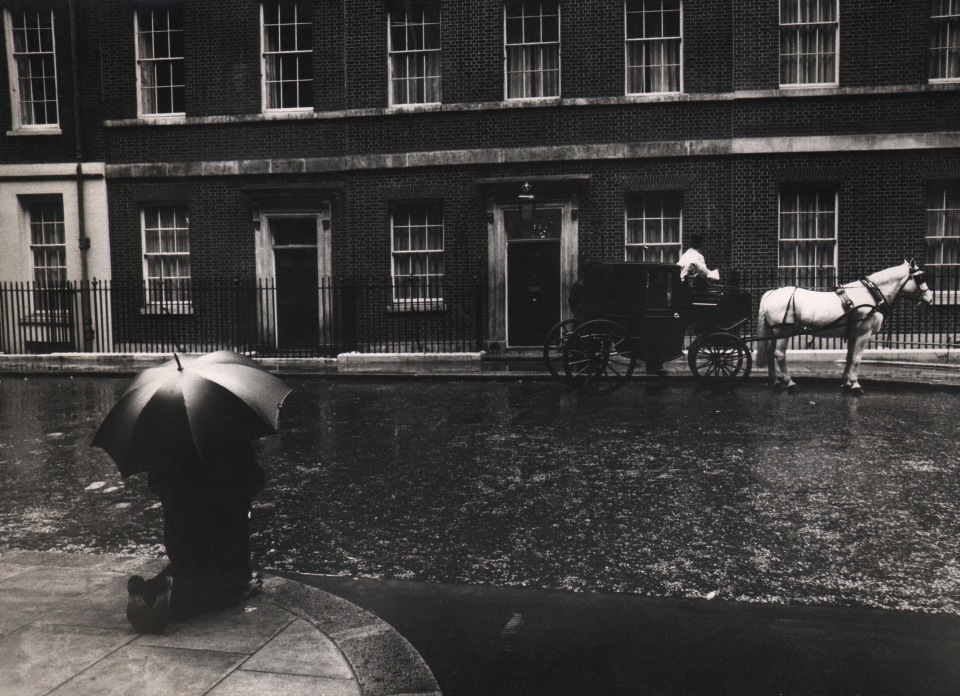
x=692 y=263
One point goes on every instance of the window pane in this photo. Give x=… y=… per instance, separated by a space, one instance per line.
x=417 y=230
x=288 y=55
x=533 y=50
x=808 y=235
x=808 y=41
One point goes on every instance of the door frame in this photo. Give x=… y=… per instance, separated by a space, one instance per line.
x=266 y=266
x=497 y=261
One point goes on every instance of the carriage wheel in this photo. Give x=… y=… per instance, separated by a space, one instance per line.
x=554 y=344
x=720 y=360
x=597 y=358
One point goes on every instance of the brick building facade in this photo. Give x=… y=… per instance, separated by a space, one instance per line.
x=472 y=156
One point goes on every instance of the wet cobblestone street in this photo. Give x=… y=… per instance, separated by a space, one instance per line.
x=658 y=490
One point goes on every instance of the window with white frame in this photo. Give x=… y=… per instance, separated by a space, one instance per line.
x=31 y=57
x=809 y=32
x=287 y=55
x=654 y=225
x=532 y=42
x=166 y=255
x=160 y=60
x=417 y=248
x=943 y=224
x=48 y=247
x=653 y=32
x=415 y=54
x=943 y=240
x=945 y=40
x=808 y=236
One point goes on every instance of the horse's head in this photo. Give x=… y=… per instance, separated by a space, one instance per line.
x=916 y=286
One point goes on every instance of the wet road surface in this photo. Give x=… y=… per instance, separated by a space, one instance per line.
x=659 y=491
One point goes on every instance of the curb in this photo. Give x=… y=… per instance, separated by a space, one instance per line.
x=383 y=661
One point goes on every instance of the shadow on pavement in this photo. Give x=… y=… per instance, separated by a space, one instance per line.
x=481 y=640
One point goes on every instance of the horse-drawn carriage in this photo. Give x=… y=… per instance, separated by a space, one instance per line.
x=625 y=312
x=629 y=312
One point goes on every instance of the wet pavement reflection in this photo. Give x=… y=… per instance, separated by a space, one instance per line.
x=659 y=490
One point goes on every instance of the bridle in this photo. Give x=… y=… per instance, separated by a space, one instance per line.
x=919 y=277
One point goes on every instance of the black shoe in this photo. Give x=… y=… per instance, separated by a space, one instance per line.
x=148 y=606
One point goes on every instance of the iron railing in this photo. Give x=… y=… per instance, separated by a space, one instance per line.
x=262 y=317
x=344 y=315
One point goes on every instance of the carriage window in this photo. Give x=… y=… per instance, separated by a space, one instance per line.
x=417 y=234
x=653 y=227
x=808 y=42
x=808 y=237
x=653 y=46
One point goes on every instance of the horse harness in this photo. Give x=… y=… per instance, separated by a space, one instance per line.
x=882 y=305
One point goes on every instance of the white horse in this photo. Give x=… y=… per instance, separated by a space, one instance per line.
x=854 y=311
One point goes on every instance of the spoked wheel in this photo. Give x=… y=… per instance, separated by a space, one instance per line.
x=597 y=358
x=554 y=344
x=720 y=360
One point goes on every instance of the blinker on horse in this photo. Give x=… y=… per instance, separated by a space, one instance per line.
x=855 y=311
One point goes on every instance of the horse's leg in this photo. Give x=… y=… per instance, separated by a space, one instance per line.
x=765 y=336
x=780 y=352
x=855 y=349
x=845 y=381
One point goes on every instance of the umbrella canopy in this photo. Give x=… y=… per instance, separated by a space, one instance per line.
x=191 y=404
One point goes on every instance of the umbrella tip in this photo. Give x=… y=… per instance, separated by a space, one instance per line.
x=177 y=358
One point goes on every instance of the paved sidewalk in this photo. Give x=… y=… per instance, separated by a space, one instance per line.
x=930 y=367
x=63 y=630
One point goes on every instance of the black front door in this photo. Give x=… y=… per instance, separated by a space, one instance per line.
x=533 y=276
x=295 y=264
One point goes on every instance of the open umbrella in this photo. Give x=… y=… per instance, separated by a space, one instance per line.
x=191 y=404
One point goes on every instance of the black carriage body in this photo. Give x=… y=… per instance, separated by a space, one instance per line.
x=646 y=299
x=625 y=312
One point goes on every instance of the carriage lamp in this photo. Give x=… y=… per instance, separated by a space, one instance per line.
x=526 y=203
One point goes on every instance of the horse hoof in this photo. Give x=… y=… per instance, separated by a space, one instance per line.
x=792 y=389
x=856 y=391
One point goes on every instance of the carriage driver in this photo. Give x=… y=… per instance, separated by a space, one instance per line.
x=693 y=265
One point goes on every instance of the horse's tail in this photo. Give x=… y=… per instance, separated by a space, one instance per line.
x=764 y=332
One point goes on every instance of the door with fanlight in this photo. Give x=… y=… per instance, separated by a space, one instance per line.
x=298 y=250
x=533 y=274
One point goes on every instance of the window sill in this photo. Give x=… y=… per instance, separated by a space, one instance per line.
x=167 y=310
x=17 y=132
x=828 y=86
x=652 y=96
x=533 y=100
x=163 y=118
x=417 y=306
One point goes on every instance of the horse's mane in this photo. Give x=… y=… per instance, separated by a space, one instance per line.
x=894 y=272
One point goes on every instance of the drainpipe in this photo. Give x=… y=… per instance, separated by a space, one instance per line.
x=84 y=242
